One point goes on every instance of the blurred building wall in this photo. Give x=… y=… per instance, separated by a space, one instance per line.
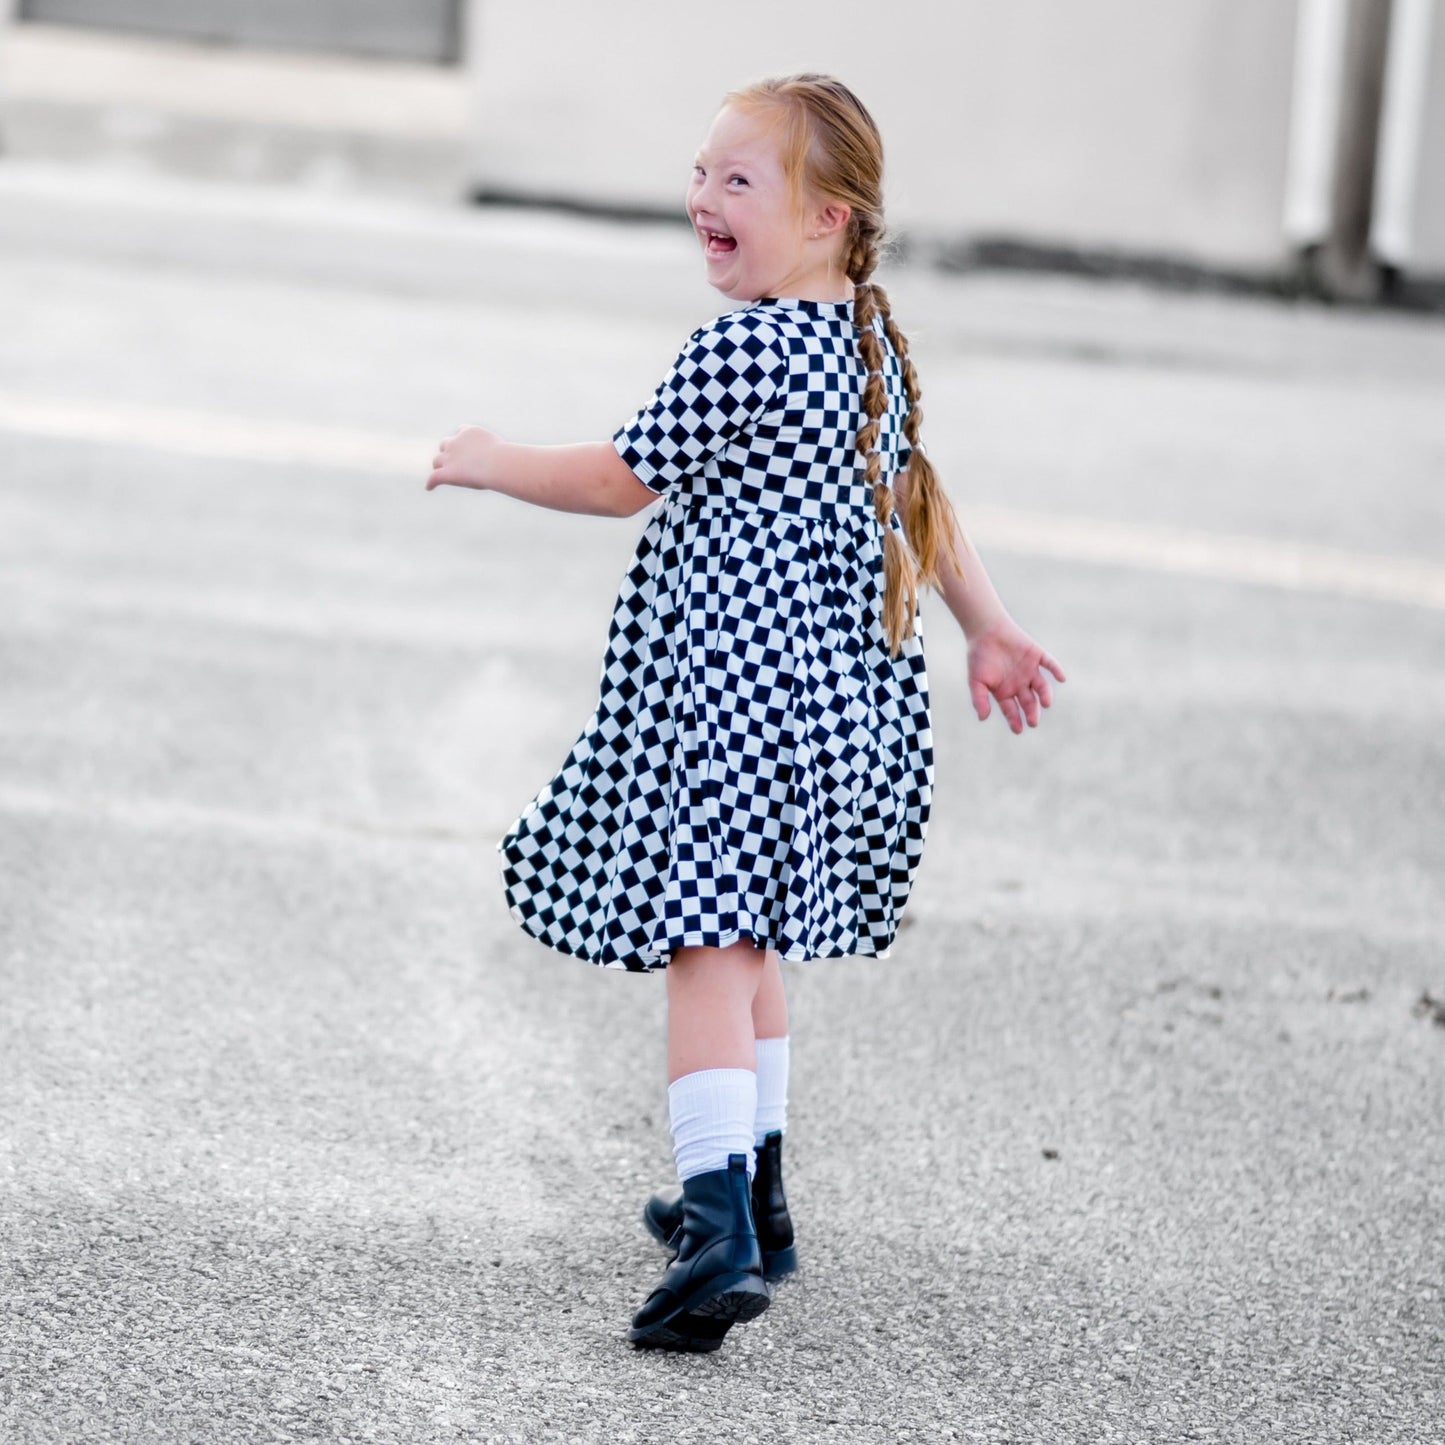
x=1119 y=124
x=1229 y=132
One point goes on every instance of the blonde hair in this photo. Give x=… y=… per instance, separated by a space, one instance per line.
x=832 y=150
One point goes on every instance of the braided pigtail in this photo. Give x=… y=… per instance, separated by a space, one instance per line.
x=900 y=576
x=928 y=515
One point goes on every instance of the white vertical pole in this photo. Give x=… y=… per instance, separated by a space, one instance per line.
x=1319 y=63
x=474 y=13
x=9 y=17
x=1397 y=174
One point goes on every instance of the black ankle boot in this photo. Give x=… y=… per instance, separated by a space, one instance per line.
x=662 y=1214
x=716 y=1281
x=770 y=1210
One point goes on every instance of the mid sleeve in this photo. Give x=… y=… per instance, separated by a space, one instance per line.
x=722 y=382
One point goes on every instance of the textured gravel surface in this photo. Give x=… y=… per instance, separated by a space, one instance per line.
x=1135 y=1138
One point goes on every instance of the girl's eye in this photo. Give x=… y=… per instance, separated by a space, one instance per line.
x=740 y=180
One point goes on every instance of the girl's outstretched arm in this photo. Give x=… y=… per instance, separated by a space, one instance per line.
x=1004 y=662
x=588 y=477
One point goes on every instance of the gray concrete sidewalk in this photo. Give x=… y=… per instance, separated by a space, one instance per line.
x=1136 y=1136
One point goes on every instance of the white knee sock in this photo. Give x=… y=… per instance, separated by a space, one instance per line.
x=712 y=1116
x=772 y=1110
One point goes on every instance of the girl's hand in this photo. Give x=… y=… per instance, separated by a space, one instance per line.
x=465 y=459
x=1003 y=660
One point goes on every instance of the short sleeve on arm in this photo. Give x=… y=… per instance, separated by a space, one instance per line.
x=722 y=382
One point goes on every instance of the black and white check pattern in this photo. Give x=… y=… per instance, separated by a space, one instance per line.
x=758 y=765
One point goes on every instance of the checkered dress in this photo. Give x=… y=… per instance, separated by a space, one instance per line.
x=758 y=766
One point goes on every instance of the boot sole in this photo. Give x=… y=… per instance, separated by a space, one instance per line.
x=779 y=1262
x=699 y=1322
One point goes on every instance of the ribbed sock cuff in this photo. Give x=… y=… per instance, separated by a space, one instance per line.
x=772 y=1111
x=712 y=1114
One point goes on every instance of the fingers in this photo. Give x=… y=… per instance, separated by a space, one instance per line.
x=981 y=704
x=437 y=463
x=1038 y=694
x=1028 y=701
x=1020 y=709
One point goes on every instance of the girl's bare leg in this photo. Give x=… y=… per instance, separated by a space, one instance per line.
x=770 y=1003
x=710 y=993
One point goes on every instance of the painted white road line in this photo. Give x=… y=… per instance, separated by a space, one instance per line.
x=1293 y=566
x=216 y=435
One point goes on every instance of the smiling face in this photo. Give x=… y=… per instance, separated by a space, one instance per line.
x=757 y=239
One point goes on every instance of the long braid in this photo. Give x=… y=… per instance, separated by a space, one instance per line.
x=928 y=519
x=928 y=515
x=900 y=578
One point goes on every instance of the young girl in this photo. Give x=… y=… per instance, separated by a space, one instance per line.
x=755 y=783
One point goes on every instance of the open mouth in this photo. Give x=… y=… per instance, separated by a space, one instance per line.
x=714 y=243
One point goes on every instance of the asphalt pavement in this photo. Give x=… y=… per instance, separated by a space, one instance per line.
x=1136 y=1137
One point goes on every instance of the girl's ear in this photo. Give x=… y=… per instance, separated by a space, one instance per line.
x=830 y=220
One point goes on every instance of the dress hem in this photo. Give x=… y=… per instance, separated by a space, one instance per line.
x=736 y=935
x=656 y=958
